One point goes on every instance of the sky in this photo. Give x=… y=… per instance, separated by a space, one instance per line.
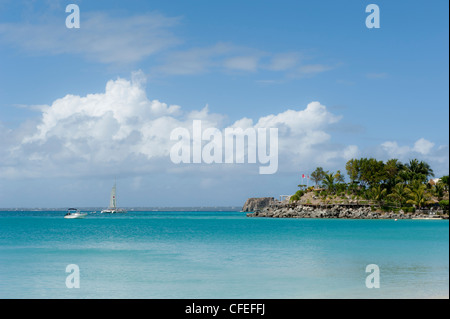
x=81 y=108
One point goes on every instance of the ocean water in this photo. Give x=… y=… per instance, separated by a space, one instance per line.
x=220 y=255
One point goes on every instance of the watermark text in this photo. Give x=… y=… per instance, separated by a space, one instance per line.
x=235 y=145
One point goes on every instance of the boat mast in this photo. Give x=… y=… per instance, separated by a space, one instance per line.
x=115 y=194
x=112 y=200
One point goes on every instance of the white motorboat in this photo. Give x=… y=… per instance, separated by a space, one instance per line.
x=73 y=213
x=112 y=209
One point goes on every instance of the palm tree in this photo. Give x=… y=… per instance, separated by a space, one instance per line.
x=425 y=169
x=416 y=184
x=353 y=187
x=438 y=190
x=419 y=197
x=444 y=182
x=415 y=170
x=377 y=193
x=339 y=177
x=400 y=193
x=328 y=181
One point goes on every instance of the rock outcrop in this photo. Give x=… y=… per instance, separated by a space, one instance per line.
x=256 y=204
x=274 y=209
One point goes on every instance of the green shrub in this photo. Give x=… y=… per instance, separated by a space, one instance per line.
x=387 y=208
x=299 y=193
x=408 y=209
x=444 y=204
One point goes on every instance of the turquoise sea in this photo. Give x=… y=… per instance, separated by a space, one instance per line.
x=220 y=255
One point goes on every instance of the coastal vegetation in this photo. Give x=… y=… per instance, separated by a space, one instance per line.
x=385 y=186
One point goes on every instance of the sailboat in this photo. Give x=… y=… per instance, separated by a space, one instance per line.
x=112 y=209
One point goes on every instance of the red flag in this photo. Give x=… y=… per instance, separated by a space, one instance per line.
x=303 y=175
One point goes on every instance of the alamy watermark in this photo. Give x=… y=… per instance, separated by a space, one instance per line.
x=73 y=279
x=73 y=19
x=373 y=19
x=373 y=279
x=235 y=145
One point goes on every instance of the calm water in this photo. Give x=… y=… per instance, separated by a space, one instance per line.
x=219 y=255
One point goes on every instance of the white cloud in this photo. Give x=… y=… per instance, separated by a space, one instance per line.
x=243 y=63
x=194 y=60
x=120 y=40
x=313 y=69
x=223 y=57
x=101 y=37
x=423 y=146
x=108 y=125
x=392 y=147
x=300 y=122
x=422 y=149
x=219 y=57
x=122 y=129
x=303 y=139
x=284 y=61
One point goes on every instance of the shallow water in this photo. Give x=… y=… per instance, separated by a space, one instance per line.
x=220 y=255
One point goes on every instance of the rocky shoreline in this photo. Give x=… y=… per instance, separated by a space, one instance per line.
x=276 y=209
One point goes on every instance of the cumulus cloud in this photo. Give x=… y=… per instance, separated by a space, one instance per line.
x=304 y=136
x=437 y=157
x=107 y=126
x=122 y=129
x=421 y=146
x=392 y=147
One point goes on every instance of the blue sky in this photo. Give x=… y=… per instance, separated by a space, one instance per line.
x=382 y=92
